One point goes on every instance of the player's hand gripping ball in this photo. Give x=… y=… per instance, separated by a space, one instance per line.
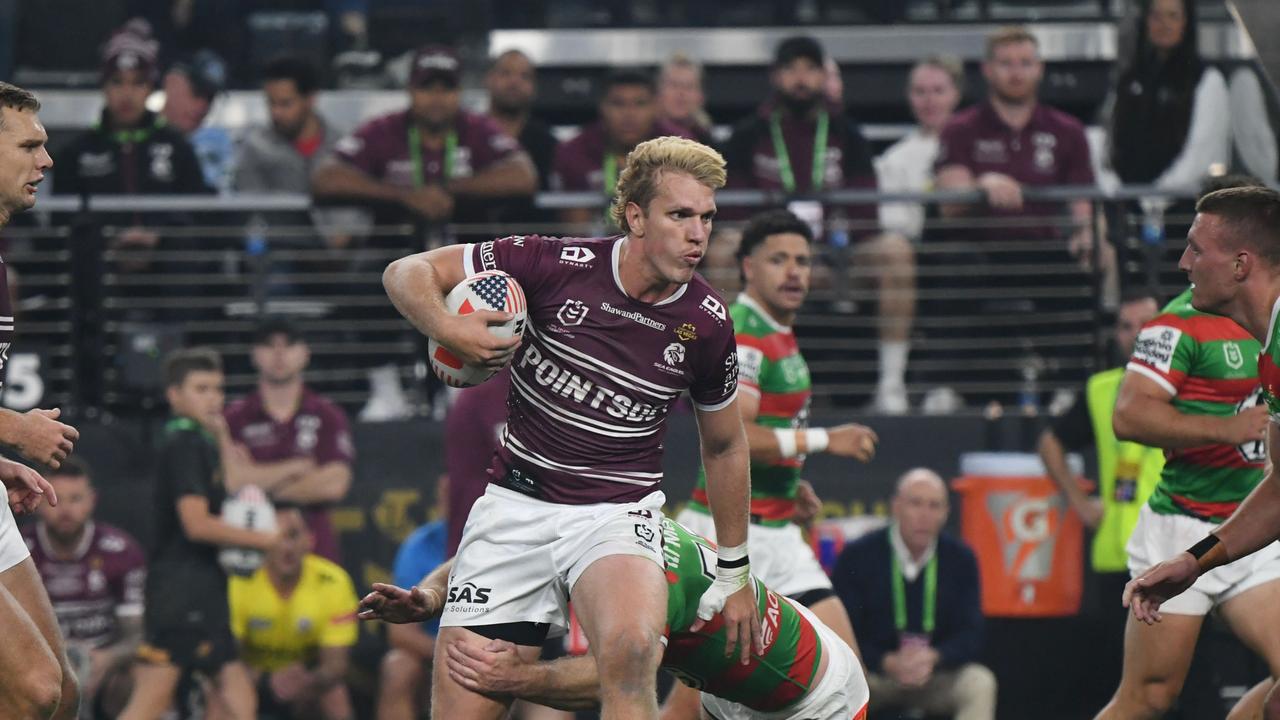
x=489 y=290
x=250 y=509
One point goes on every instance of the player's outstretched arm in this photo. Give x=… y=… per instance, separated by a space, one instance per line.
x=38 y=435
x=496 y=669
x=420 y=603
x=417 y=285
x=1145 y=414
x=770 y=445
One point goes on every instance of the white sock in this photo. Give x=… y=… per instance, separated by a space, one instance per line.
x=893 y=362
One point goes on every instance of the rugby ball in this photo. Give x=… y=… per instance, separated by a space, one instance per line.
x=250 y=509
x=488 y=290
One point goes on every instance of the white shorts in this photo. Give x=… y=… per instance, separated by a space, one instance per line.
x=1159 y=537
x=13 y=549
x=841 y=694
x=779 y=555
x=520 y=557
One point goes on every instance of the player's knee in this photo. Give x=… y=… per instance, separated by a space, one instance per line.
x=1158 y=697
x=977 y=685
x=633 y=653
x=69 y=703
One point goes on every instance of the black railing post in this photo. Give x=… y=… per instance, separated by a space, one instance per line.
x=88 y=334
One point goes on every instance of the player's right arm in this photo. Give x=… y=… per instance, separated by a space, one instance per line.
x=497 y=669
x=769 y=445
x=1145 y=414
x=417 y=285
x=38 y=435
x=1253 y=526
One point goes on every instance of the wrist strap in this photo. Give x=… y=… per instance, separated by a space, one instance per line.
x=1203 y=547
x=786 y=442
x=731 y=558
x=816 y=440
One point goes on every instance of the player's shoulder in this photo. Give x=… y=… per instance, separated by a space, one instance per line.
x=317 y=404
x=1060 y=120
x=388 y=122
x=711 y=311
x=964 y=119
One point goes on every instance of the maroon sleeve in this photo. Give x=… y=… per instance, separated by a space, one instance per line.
x=953 y=147
x=716 y=381
x=523 y=257
x=333 y=442
x=234 y=415
x=489 y=144
x=567 y=173
x=1077 y=165
x=364 y=149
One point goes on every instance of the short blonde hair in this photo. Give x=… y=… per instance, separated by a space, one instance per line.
x=1009 y=35
x=638 y=182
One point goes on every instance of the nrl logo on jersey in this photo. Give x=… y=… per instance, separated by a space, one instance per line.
x=577 y=256
x=572 y=312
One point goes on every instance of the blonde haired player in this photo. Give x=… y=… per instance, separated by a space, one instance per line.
x=618 y=329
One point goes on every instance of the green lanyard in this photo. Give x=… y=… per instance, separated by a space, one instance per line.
x=930 y=594
x=610 y=184
x=415 y=154
x=785 y=173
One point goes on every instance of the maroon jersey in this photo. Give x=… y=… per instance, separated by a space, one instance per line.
x=1050 y=150
x=380 y=148
x=319 y=430
x=103 y=580
x=473 y=425
x=598 y=370
x=580 y=163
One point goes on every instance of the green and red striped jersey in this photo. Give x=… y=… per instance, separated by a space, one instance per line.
x=770 y=367
x=1209 y=364
x=779 y=678
x=1269 y=366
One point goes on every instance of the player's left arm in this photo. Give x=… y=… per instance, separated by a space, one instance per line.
x=512 y=175
x=497 y=669
x=1256 y=523
x=772 y=444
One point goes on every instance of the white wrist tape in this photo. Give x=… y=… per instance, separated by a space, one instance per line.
x=786 y=442
x=816 y=440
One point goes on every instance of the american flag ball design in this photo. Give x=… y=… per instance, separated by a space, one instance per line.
x=490 y=290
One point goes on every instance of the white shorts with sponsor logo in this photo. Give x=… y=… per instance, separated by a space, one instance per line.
x=841 y=694
x=13 y=549
x=520 y=557
x=779 y=555
x=1159 y=537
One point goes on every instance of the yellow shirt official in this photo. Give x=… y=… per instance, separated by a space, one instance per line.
x=276 y=631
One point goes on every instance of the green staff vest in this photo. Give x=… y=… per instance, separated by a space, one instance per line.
x=1127 y=473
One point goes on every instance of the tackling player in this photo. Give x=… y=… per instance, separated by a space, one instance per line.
x=618 y=329
x=36 y=680
x=774 y=258
x=805 y=672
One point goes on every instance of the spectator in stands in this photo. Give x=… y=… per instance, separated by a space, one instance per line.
x=95 y=574
x=425 y=158
x=294 y=618
x=592 y=161
x=1127 y=473
x=934 y=88
x=289 y=440
x=681 y=101
x=1168 y=123
x=800 y=143
x=405 y=673
x=913 y=595
x=512 y=84
x=190 y=87
x=131 y=150
x=279 y=157
x=1011 y=141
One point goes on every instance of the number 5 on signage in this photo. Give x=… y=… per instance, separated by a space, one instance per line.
x=23 y=387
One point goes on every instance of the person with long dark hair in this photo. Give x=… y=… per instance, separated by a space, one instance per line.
x=1167 y=125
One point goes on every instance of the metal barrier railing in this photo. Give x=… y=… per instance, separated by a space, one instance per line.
x=1003 y=312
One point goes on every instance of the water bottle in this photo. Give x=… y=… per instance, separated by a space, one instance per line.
x=1152 y=231
x=1029 y=393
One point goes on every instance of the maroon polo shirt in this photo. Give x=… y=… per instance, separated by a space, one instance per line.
x=318 y=430
x=471 y=431
x=380 y=148
x=579 y=163
x=847 y=163
x=1050 y=150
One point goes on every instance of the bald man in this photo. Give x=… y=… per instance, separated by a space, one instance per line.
x=912 y=592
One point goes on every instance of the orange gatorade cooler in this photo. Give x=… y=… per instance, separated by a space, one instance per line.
x=1028 y=542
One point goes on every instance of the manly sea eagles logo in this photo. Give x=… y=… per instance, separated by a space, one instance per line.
x=674 y=354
